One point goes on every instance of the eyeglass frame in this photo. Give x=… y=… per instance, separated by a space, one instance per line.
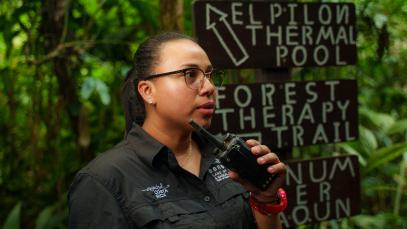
x=206 y=74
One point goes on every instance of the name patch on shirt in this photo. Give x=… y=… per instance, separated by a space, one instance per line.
x=159 y=190
x=218 y=171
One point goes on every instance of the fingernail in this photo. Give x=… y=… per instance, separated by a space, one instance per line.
x=260 y=160
x=270 y=169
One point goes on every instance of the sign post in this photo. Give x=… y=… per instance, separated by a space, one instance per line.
x=289 y=114
x=264 y=34
x=322 y=189
x=273 y=37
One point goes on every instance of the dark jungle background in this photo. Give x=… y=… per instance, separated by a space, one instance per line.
x=62 y=63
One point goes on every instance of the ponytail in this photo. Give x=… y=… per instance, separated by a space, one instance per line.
x=132 y=102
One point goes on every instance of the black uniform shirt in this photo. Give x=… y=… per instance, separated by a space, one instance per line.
x=139 y=184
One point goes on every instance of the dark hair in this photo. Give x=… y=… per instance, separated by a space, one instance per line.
x=144 y=59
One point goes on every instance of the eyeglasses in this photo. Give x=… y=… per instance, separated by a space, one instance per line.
x=195 y=77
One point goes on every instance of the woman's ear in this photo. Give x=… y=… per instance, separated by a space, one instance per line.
x=146 y=90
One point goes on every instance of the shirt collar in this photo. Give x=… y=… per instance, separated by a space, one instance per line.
x=149 y=149
x=146 y=146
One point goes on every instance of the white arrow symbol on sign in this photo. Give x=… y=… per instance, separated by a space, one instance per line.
x=220 y=16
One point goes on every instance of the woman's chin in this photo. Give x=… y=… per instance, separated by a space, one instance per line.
x=205 y=122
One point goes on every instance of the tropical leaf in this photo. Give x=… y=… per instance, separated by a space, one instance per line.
x=13 y=219
x=378 y=120
x=103 y=91
x=90 y=85
x=350 y=150
x=385 y=155
x=399 y=127
x=367 y=139
x=380 y=20
x=44 y=217
x=51 y=217
x=87 y=88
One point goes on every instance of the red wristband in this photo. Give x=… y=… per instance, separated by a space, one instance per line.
x=270 y=208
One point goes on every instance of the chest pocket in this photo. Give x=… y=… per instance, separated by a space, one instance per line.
x=182 y=213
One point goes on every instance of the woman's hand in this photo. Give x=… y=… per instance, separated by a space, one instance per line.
x=265 y=156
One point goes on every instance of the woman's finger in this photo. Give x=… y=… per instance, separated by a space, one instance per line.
x=277 y=168
x=270 y=158
x=252 y=142
x=260 y=150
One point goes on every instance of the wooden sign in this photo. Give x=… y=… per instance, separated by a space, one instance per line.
x=264 y=34
x=288 y=114
x=321 y=189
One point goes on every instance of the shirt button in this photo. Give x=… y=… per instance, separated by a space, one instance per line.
x=207 y=198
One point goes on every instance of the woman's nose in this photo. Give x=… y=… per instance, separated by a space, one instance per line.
x=207 y=86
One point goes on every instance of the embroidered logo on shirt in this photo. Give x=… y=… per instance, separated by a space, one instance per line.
x=218 y=171
x=159 y=190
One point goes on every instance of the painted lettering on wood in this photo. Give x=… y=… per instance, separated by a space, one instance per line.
x=321 y=189
x=288 y=114
x=263 y=34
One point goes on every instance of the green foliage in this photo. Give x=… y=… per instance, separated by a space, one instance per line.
x=60 y=102
x=60 y=91
x=13 y=219
x=385 y=155
x=52 y=216
x=90 y=85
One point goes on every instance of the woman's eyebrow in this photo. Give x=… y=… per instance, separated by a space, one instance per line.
x=209 y=67
x=190 y=65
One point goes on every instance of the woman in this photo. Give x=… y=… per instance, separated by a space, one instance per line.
x=163 y=175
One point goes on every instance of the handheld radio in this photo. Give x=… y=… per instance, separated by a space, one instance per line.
x=236 y=156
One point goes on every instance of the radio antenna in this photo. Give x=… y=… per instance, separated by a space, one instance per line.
x=211 y=138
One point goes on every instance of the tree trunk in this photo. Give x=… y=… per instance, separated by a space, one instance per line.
x=171 y=15
x=52 y=28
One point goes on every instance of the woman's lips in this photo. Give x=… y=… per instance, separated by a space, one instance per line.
x=207 y=108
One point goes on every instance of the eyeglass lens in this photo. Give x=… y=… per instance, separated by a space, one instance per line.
x=194 y=78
